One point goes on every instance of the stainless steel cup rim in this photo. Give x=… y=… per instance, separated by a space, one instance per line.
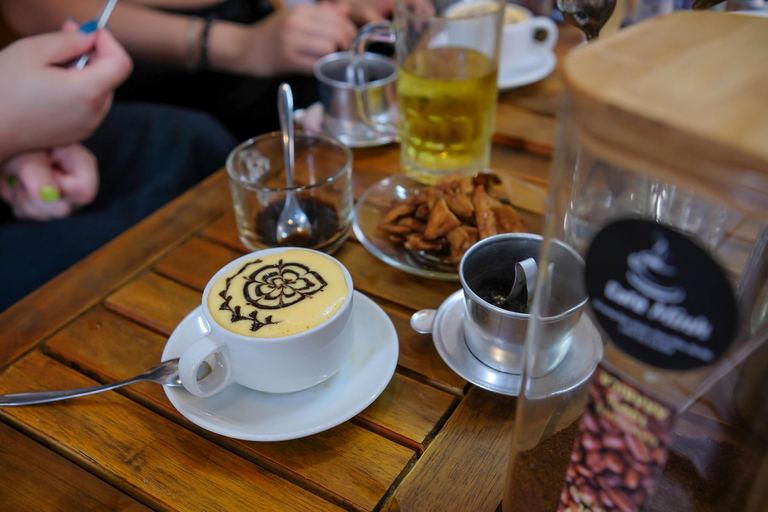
x=503 y=312
x=333 y=57
x=277 y=135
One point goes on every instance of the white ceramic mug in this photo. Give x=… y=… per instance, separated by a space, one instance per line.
x=518 y=36
x=275 y=365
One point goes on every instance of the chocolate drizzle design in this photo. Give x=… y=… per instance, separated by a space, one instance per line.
x=274 y=286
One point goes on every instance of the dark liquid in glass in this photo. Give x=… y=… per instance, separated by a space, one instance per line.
x=322 y=216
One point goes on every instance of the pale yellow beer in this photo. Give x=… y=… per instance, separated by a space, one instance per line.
x=447 y=101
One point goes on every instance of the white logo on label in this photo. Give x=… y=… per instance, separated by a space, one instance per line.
x=647 y=270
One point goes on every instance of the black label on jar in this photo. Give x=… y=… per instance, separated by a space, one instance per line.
x=659 y=296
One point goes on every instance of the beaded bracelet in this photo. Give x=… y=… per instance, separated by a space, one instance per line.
x=192 y=45
x=204 y=63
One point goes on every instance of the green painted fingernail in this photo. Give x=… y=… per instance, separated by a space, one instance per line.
x=11 y=180
x=49 y=194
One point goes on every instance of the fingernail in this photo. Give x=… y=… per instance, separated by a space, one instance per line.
x=11 y=180
x=88 y=27
x=49 y=194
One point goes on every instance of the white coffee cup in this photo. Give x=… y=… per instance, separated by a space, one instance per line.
x=518 y=36
x=275 y=365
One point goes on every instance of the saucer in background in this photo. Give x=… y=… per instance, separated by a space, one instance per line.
x=534 y=66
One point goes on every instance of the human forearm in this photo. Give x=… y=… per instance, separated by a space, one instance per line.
x=289 y=40
x=148 y=34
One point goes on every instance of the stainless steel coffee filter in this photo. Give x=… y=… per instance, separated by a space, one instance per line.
x=342 y=103
x=497 y=336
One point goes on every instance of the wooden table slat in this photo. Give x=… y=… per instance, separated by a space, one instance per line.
x=480 y=430
x=29 y=469
x=144 y=454
x=519 y=128
x=414 y=408
x=155 y=301
x=408 y=409
x=418 y=353
x=348 y=462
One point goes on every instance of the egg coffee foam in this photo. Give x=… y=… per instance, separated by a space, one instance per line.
x=278 y=295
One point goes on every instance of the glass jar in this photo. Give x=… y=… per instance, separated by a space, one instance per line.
x=660 y=184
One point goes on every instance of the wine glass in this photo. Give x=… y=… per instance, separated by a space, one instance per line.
x=587 y=15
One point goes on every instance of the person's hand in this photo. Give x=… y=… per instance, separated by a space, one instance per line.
x=291 y=40
x=368 y=11
x=45 y=104
x=45 y=185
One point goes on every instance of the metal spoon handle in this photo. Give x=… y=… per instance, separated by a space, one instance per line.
x=101 y=23
x=42 y=397
x=285 y=110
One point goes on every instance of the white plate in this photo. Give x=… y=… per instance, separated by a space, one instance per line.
x=242 y=413
x=534 y=66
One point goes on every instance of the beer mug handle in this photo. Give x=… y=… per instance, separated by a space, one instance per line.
x=377 y=32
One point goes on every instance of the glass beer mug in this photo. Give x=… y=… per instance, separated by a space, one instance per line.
x=447 y=59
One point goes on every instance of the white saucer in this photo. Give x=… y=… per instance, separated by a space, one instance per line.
x=448 y=337
x=242 y=413
x=534 y=66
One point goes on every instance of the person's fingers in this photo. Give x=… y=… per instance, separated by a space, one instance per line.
x=342 y=9
x=367 y=15
x=302 y=62
x=336 y=17
x=8 y=187
x=79 y=177
x=35 y=175
x=70 y=26
x=37 y=195
x=27 y=207
x=315 y=46
x=109 y=64
x=62 y=47
x=328 y=20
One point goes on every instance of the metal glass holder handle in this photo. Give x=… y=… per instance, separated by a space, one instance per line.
x=378 y=32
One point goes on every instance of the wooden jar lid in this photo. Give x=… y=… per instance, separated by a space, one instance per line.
x=684 y=97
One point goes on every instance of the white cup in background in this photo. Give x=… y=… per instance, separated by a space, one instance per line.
x=518 y=37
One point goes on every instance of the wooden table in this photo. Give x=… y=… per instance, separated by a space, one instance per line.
x=429 y=442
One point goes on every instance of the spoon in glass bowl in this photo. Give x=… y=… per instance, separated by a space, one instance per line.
x=292 y=221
